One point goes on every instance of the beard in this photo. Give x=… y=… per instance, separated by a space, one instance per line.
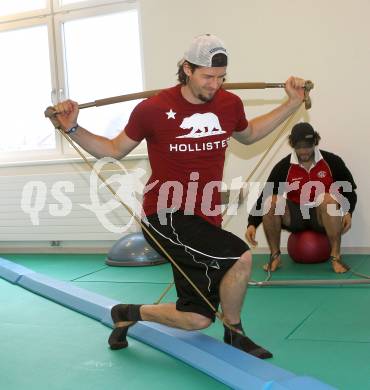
x=206 y=96
x=202 y=93
x=306 y=157
x=205 y=99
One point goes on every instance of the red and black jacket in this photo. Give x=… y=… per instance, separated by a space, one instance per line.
x=331 y=168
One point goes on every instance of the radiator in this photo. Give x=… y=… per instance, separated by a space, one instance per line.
x=67 y=206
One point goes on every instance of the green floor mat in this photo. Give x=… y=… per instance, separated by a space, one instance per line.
x=61 y=266
x=45 y=346
x=317 y=331
x=130 y=292
x=155 y=274
x=342 y=317
x=342 y=365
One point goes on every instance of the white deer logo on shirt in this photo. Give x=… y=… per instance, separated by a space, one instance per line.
x=201 y=125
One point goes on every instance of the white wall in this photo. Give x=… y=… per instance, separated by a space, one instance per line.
x=324 y=41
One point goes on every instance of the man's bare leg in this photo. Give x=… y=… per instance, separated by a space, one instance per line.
x=233 y=288
x=125 y=315
x=167 y=314
x=333 y=228
x=272 y=222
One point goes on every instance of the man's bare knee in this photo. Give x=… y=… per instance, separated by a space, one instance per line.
x=270 y=205
x=197 y=321
x=327 y=199
x=242 y=267
x=328 y=206
x=275 y=205
x=246 y=259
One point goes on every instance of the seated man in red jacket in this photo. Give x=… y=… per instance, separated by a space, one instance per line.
x=310 y=189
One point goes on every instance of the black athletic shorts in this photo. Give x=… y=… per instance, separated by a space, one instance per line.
x=204 y=252
x=297 y=221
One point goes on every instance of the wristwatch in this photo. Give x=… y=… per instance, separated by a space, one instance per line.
x=72 y=129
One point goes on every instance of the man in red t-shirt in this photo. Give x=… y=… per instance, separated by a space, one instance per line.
x=310 y=189
x=187 y=129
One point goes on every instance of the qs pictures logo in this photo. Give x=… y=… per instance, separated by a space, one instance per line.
x=128 y=187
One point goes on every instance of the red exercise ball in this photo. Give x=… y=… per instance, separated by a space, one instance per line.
x=308 y=247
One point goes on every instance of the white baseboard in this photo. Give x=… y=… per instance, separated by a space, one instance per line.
x=59 y=247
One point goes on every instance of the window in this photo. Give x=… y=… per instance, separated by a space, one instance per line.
x=102 y=62
x=25 y=87
x=20 y=6
x=88 y=53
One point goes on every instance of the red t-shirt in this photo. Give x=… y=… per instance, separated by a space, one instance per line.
x=186 y=148
x=310 y=184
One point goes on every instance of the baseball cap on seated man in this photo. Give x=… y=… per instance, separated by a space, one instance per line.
x=207 y=50
x=302 y=133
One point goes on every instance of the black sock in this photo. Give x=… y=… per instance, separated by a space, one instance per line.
x=228 y=332
x=244 y=343
x=121 y=312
